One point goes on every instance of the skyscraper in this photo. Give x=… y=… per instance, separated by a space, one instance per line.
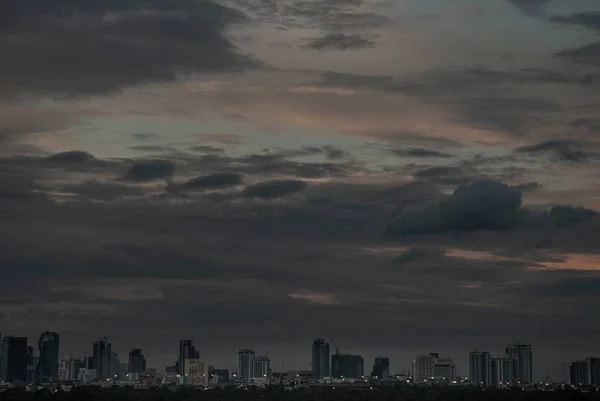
x=14 y=359
x=347 y=366
x=521 y=353
x=320 y=359
x=444 y=370
x=423 y=367
x=479 y=368
x=102 y=353
x=137 y=362
x=187 y=350
x=262 y=367
x=47 y=368
x=585 y=372
x=381 y=368
x=246 y=363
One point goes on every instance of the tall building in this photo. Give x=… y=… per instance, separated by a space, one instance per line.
x=14 y=359
x=196 y=371
x=523 y=356
x=479 y=368
x=423 y=367
x=102 y=354
x=585 y=372
x=503 y=371
x=187 y=350
x=47 y=368
x=320 y=359
x=246 y=363
x=32 y=362
x=381 y=368
x=444 y=370
x=137 y=362
x=262 y=367
x=347 y=366
x=115 y=366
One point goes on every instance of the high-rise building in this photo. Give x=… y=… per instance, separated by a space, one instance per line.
x=196 y=371
x=479 y=368
x=47 y=368
x=585 y=372
x=102 y=354
x=246 y=363
x=423 y=367
x=187 y=350
x=381 y=368
x=521 y=353
x=347 y=366
x=503 y=371
x=137 y=362
x=444 y=370
x=14 y=359
x=115 y=366
x=262 y=367
x=320 y=359
x=32 y=362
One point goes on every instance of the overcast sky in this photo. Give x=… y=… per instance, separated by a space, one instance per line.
x=403 y=176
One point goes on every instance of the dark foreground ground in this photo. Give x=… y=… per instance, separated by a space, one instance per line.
x=403 y=394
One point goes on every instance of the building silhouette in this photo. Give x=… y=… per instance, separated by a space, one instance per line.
x=521 y=353
x=137 y=361
x=13 y=361
x=423 y=367
x=381 y=368
x=479 y=368
x=187 y=350
x=101 y=359
x=47 y=366
x=585 y=373
x=246 y=363
x=320 y=359
x=262 y=367
x=347 y=366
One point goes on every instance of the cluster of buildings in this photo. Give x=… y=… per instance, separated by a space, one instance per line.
x=22 y=362
x=515 y=367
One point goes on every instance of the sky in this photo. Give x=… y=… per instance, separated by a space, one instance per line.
x=403 y=176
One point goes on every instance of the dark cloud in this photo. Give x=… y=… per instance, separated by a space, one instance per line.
x=528 y=186
x=482 y=205
x=73 y=156
x=338 y=41
x=420 y=152
x=274 y=189
x=146 y=136
x=97 y=46
x=581 y=287
x=416 y=254
x=530 y=7
x=566 y=215
x=589 y=20
x=566 y=150
x=104 y=191
x=148 y=170
x=212 y=181
x=207 y=149
x=587 y=54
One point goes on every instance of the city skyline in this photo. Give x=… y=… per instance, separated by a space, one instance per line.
x=402 y=176
x=483 y=366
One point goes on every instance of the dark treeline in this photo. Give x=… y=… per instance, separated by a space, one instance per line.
x=275 y=394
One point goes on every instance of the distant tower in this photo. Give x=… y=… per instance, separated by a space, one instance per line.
x=102 y=354
x=320 y=359
x=521 y=353
x=47 y=368
x=381 y=368
x=479 y=368
x=186 y=351
x=13 y=363
x=137 y=362
x=246 y=363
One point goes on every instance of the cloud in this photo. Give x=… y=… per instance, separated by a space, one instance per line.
x=566 y=150
x=416 y=254
x=148 y=170
x=73 y=156
x=273 y=189
x=146 y=136
x=531 y=7
x=338 y=41
x=420 y=152
x=97 y=46
x=482 y=205
x=104 y=191
x=212 y=181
